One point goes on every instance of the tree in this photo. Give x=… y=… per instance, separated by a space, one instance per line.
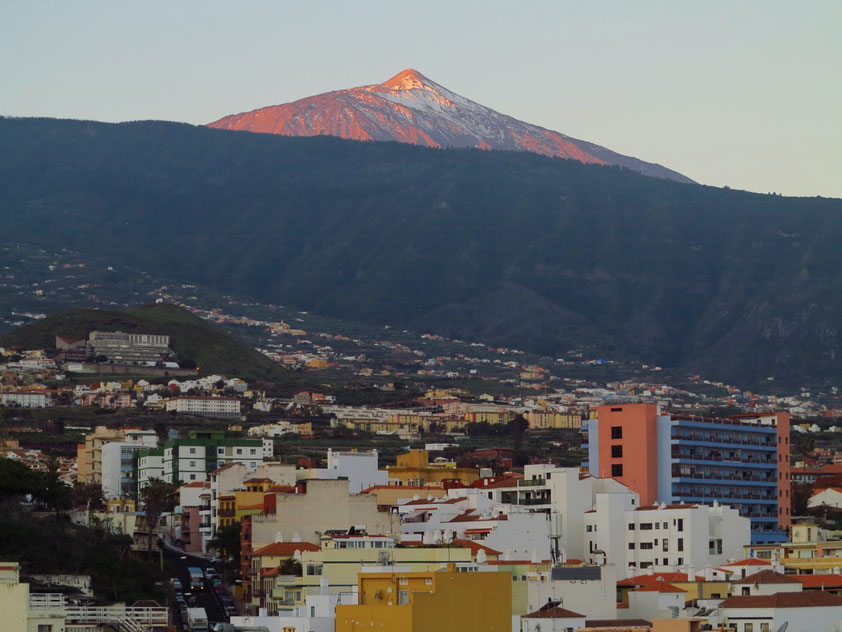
x=227 y=541
x=90 y=495
x=54 y=493
x=18 y=480
x=290 y=566
x=158 y=496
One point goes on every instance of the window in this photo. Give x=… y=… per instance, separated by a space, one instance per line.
x=253 y=451
x=403 y=581
x=645 y=545
x=645 y=526
x=239 y=450
x=666 y=525
x=192 y=477
x=428 y=581
x=589 y=528
x=680 y=544
x=192 y=463
x=680 y=525
x=631 y=546
x=631 y=526
x=748 y=627
x=616 y=451
x=192 y=450
x=616 y=432
x=45 y=627
x=746 y=590
x=764 y=627
x=312 y=611
x=617 y=469
x=679 y=561
x=665 y=546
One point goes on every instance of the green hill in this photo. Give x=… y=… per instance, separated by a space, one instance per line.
x=213 y=349
x=509 y=248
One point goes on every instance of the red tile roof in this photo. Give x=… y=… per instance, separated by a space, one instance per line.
x=556 y=612
x=671 y=578
x=678 y=506
x=820 y=581
x=808 y=599
x=660 y=586
x=286 y=549
x=475 y=547
x=767 y=577
x=749 y=561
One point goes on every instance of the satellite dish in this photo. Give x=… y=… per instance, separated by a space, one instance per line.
x=783 y=627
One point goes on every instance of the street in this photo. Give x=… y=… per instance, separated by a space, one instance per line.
x=203 y=598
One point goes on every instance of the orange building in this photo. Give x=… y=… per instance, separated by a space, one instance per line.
x=742 y=461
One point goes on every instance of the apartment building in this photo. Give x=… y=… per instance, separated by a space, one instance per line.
x=663 y=537
x=193 y=458
x=118 y=468
x=224 y=407
x=742 y=461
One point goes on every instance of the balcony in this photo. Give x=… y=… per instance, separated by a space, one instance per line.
x=534 y=501
x=538 y=482
x=227 y=512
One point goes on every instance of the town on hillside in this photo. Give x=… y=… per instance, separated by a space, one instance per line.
x=624 y=506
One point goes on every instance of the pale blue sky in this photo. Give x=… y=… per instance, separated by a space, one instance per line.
x=746 y=94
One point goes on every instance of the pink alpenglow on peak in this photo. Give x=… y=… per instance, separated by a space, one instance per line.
x=410 y=108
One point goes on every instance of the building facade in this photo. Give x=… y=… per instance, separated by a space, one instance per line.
x=742 y=461
x=192 y=459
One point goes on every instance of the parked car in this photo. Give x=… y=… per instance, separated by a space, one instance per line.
x=176 y=583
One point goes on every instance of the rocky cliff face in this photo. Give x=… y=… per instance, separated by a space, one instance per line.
x=410 y=108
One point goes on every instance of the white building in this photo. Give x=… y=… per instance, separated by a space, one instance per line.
x=118 y=461
x=318 y=614
x=24 y=399
x=588 y=589
x=830 y=497
x=467 y=514
x=227 y=407
x=359 y=467
x=551 y=617
x=563 y=495
x=811 y=611
x=192 y=459
x=665 y=537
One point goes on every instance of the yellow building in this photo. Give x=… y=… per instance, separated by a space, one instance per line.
x=806 y=552
x=121 y=505
x=89 y=454
x=414 y=468
x=244 y=502
x=391 y=495
x=19 y=612
x=543 y=419
x=342 y=558
x=696 y=588
x=444 y=600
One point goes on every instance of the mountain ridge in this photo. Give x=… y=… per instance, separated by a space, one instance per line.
x=414 y=109
x=509 y=248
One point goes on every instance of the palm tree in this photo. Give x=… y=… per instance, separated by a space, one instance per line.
x=158 y=496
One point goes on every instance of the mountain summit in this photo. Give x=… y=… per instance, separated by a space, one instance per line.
x=410 y=108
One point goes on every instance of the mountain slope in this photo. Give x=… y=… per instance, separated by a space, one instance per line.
x=504 y=247
x=409 y=108
x=213 y=349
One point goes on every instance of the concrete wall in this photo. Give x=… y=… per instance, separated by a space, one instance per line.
x=326 y=505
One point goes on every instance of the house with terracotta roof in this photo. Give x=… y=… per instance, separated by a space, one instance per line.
x=695 y=586
x=656 y=599
x=812 y=611
x=551 y=617
x=829 y=497
x=766 y=582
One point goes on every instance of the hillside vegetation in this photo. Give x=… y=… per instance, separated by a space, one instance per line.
x=214 y=350
x=505 y=247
